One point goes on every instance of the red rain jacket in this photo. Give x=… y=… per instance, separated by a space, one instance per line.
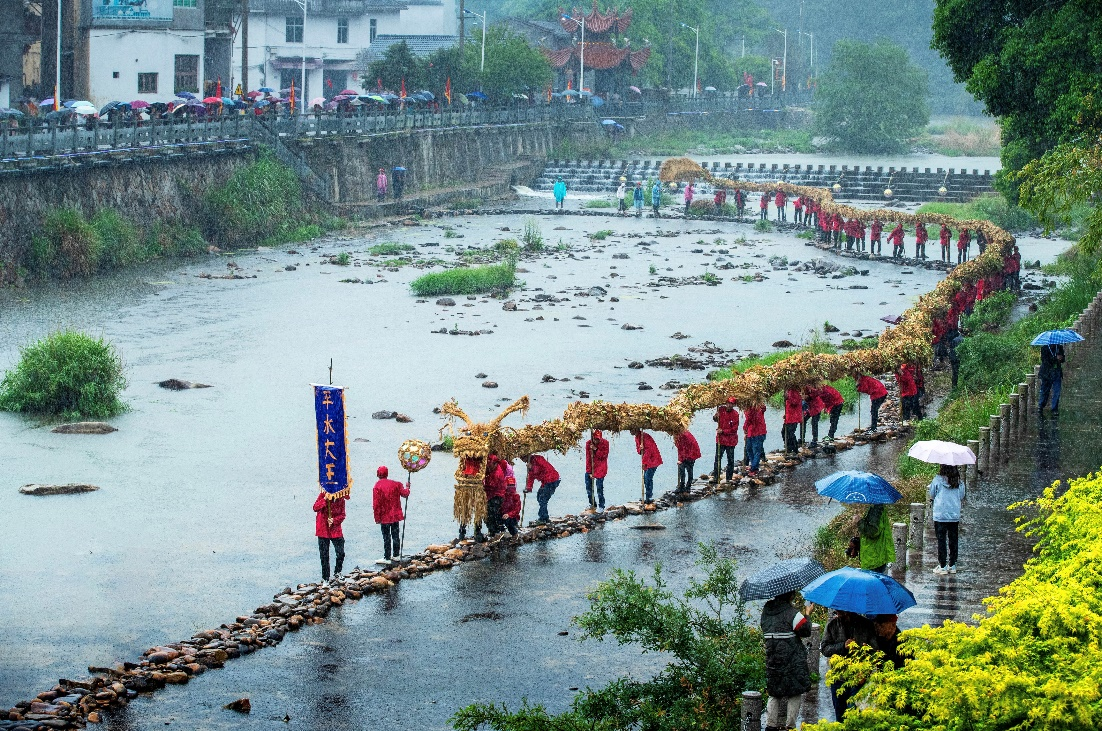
x=836 y=222
x=964 y=239
x=921 y=234
x=495 y=482
x=876 y=230
x=687 y=446
x=872 y=386
x=596 y=448
x=896 y=236
x=798 y=204
x=814 y=401
x=386 y=500
x=780 y=199
x=793 y=407
x=944 y=235
x=644 y=445
x=905 y=378
x=727 y=431
x=510 y=508
x=322 y=529
x=754 y=425
x=831 y=397
x=539 y=469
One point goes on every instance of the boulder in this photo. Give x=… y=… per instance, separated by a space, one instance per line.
x=385 y=415
x=84 y=427
x=628 y=326
x=72 y=488
x=489 y=384
x=784 y=344
x=509 y=306
x=175 y=384
x=402 y=418
x=446 y=302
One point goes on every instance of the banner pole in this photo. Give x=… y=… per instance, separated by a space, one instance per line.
x=405 y=517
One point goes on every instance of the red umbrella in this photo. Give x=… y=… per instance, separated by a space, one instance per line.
x=254 y=94
x=139 y=104
x=349 y=92
x=213 y=100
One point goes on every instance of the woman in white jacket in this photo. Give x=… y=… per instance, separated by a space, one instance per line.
x=947 y=492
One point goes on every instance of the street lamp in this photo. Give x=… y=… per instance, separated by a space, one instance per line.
x=812 y=37
x=57 y=61
x=302 y=91
x=784 y=63
x=581 y=64
x=696 y=56
x=482 y=63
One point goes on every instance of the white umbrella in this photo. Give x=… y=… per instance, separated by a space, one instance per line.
x=936 y=451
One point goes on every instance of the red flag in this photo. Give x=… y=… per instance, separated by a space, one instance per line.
x=57 y=102
x=403 y=94
x=448 y=90
x=379 y=84
x=292 y=96
x=218 y=93
x=569 y=84
x=548 y=92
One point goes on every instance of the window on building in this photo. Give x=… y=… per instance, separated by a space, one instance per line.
x=184 y=3
x=374 y=26
x=294 y=29
x=342 y=30
x=147 y=83
x=187 y=73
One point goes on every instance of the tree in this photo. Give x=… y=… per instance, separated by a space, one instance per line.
x=871 y=98
x=715 y=655
x=1033 y=63
x=398 y=64
x=512 y=66
x=1065 y=178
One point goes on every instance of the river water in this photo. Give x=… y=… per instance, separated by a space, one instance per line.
x=204 y=509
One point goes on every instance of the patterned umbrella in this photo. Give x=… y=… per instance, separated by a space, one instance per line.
x=781 y=578
x=1057 y=337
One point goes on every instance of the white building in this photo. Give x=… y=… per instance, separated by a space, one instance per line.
x=334 y=34
x=125 y=51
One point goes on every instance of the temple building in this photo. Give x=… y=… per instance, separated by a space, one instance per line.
x=610 y=60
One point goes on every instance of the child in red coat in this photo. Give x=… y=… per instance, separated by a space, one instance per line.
x=510 y=509
x=793 y=415
x=688 y=452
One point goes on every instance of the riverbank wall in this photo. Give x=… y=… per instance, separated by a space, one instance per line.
x=148 y=188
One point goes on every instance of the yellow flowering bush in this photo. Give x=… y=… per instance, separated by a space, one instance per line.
x=1033 y=662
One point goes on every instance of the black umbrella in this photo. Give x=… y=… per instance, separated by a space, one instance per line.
x=781 y=578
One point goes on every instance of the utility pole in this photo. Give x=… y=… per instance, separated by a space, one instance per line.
x=245 y=45
x=462 y=13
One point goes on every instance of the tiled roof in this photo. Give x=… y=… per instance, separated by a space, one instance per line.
x=325 y=7
x=420 y=45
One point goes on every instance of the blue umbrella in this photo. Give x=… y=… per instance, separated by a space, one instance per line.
x=597 y=101
x=186 y=95
x=608 y=121
x=477 y=95
x=857 y=487
x=1057 y=337
x=860 y=591
x=267 y=90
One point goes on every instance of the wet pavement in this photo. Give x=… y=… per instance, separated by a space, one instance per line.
x=204 y=506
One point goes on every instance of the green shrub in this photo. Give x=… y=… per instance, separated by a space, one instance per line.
x=68 y=246
x=532 y=236
x=853 y=344
x=390 y=248
x=602 y=234
x=262 y=201
x=993 y=208
x=120 y=242
x=713 y=651
x=992 y=312
x=765 y=226
x=465 y=204
x=493 y=278
x=597 y=203
x=68 y=374
x=342 y=259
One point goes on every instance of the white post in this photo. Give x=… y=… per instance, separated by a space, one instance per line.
x=302 y=91
x=581 y=65
x=784 y=65
x=482 y=62
x=696 y=64
x=57 y=61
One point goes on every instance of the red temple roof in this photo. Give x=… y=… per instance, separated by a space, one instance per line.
x=597 y=22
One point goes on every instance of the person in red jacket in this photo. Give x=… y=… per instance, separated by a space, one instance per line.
x=908 y=391
x=860 y=235
x=539 y=469
x=1013 y=270
x=832 y=404
x=329 y=515
x=754 y=430
x=779 y=200
x=836 y=229
x=944 y=236
x=726 y=419
x=596 y=468
x=763 y=205
x=793 y=415
x=688 y=452
x=652 y=458
x=896 y=240
x=876 y=392
x=740 y=202
x=510 y=510
x=495 y=484
x=875 y=231
x=963 y=241
x=921 y=237
x=720 y=200
x=798 y=205
x=814 y=400
x=386 y=502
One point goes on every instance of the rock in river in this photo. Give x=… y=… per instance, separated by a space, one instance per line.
x=385 y=415
x=241 y=705
x=84 y=427
x=784 y=344
x=72 y=488
x=175 y=384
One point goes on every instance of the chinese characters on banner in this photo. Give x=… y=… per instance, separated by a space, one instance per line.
x=333 y=472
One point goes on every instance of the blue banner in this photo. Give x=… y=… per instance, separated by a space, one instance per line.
x=333 y=472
